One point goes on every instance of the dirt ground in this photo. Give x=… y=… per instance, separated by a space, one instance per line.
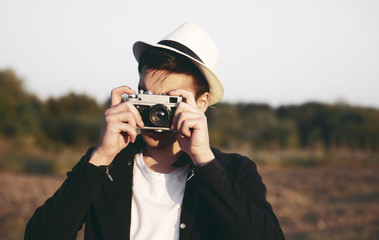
x=310 y=202
x=325 y=202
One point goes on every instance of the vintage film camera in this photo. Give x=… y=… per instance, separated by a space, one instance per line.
x=157 y=111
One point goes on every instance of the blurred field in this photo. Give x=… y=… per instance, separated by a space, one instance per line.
x=325 y=202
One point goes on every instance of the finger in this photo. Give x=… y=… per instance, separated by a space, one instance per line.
x=118 y=92
x=184 y=107
x=113 y=121
x=187 y=126
x=182 y=116
x=117 y=124
x=127 y=107
x=187 y=95
x=128 y=131
x=136 y=114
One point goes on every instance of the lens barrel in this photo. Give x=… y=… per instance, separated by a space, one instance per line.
x=159 y=115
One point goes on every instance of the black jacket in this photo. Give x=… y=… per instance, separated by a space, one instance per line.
x=225 y=199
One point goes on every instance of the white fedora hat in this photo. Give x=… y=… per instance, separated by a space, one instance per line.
x=193 y=42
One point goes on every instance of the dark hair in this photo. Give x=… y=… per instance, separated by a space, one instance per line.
x=158 y=59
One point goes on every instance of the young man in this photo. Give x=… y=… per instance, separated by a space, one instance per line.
x=161 y=185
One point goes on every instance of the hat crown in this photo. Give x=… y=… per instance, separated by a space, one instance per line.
x=198 y=41
x=193 y=42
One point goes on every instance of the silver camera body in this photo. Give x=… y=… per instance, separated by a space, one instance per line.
x=157 y=110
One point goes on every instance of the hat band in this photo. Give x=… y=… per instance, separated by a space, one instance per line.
x=181 y=48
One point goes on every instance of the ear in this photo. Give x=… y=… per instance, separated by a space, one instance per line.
x=202 y=102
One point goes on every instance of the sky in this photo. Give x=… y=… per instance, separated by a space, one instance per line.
x=276 y=52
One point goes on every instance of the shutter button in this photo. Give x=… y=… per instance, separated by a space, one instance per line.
x=182 y=225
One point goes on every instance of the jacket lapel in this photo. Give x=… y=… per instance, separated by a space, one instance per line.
x=113 y=204
x=189 y=208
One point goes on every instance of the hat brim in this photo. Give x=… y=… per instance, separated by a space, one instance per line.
x=216 y=89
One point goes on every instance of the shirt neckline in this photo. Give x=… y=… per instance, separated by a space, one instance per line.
x=141 y=163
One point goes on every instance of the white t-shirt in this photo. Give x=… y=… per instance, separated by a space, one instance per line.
x=156 y=202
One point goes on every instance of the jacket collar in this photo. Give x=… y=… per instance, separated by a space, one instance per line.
x=113 y=203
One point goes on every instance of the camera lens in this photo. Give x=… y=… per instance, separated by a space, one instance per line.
x=159 y=115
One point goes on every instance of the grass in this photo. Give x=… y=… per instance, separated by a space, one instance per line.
x=312 y=158
x=27 y=157
x=24 y=155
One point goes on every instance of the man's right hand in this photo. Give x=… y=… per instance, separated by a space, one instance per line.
x=119 y=128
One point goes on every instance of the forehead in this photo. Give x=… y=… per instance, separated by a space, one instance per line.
x=162 y=81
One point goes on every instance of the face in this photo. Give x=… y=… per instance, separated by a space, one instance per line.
x=159 y=82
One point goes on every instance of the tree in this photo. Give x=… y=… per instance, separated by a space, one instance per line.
x=19 y=110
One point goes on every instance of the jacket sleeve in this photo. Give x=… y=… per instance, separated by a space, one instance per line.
x=236 y=195
x=62 y=215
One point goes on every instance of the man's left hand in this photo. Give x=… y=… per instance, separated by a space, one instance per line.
x=192 y=127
